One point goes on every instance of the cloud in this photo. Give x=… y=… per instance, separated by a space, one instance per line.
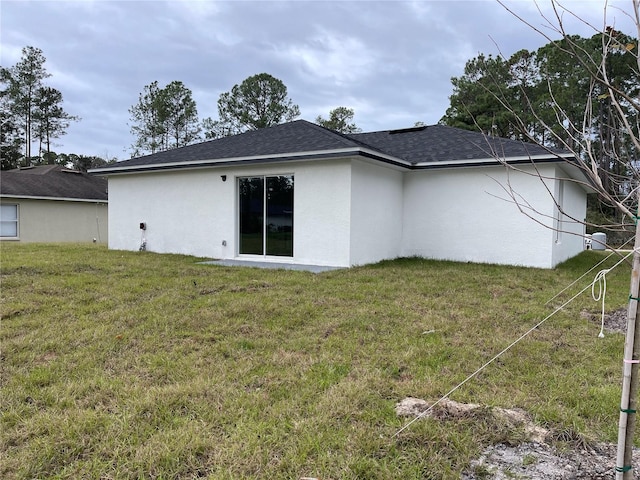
x=333 y=57
x=391 y=61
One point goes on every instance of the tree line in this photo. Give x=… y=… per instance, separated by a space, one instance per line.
x=32 y=112
x=541 y=96
x=164 y=117
x=167 y=117
x=536 y=96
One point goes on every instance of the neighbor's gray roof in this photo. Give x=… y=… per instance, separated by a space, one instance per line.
x=417 y=147
x=52 y=181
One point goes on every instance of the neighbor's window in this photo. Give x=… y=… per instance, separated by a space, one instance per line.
x=9 y=221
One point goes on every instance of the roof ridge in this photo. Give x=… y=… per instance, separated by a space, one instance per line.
x=345 y=136
x=35 y=169
x=329 y=132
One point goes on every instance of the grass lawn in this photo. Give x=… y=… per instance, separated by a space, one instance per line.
x=138 y=365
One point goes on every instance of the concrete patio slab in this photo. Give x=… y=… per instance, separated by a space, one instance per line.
x=271 y=265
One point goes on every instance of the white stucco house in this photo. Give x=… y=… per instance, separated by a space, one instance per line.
x=302 y=194
x=51 y=203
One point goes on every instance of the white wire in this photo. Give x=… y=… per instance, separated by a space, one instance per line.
x=502 y=352
x=601 y=280
x=580 y=277
x=613 y=252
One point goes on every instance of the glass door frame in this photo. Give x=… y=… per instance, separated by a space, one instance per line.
x=266 y=235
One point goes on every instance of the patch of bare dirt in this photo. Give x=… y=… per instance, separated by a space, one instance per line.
x=534 y=459
x=541 y=461
x=614 y=322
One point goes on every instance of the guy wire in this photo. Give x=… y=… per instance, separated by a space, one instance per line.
x=502 y=352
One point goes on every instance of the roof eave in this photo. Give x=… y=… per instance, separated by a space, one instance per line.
x=474 y=162
x=322 y=155
x=248 y=160
x=66 y=199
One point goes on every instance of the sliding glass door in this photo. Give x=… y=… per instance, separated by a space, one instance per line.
x=251 y=208
x=266 y=215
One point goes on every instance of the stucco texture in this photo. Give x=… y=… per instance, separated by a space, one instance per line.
x=351 y=212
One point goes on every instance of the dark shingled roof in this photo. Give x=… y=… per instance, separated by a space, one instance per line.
x=442 y=144
x=286 y=138
x=300 y=139
x=52 y=181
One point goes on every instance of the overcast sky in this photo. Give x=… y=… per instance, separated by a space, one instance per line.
x=390 y=61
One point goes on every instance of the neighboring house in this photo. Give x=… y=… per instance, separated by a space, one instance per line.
x=302 y=194
x=50 y=203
